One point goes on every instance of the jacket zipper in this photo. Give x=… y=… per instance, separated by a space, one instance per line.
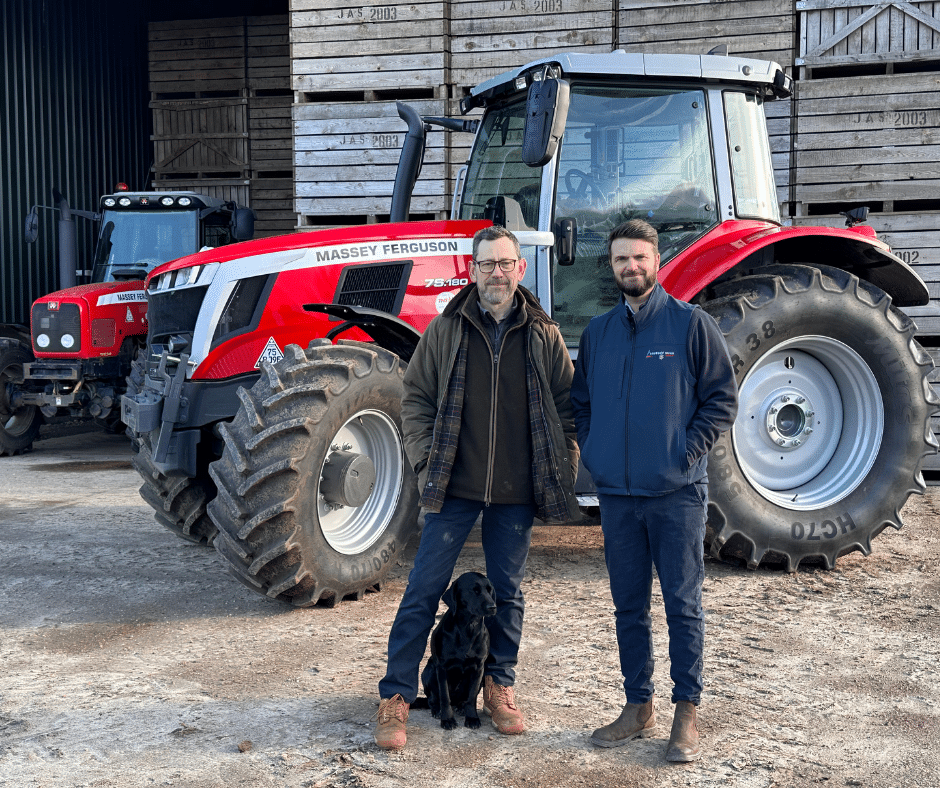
x=626 y=424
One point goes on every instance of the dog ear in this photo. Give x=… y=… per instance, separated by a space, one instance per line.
x=448 y=597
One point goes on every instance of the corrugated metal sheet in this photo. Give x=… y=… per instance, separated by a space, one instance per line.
x=74 y=115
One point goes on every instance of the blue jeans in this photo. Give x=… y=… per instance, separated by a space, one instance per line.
x=667 y=532
x=507 y=533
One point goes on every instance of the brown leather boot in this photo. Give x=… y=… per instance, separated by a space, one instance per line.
x=637 y=720
x=500 y=703
x=392 y=716
x=683 y=741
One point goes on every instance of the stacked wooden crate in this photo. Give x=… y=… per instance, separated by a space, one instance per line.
x=763 y=29
x=220 y=99
x=868 y=131
x=349 y=66
x=868 y=123
x=269 y=124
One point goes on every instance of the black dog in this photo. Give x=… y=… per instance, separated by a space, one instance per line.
x=460 y=643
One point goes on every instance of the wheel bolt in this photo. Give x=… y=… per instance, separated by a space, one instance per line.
x=784 y=399
x=772 y=411
x=780 y=441
x=800 y=400
x=797 y=442
x=807 y=431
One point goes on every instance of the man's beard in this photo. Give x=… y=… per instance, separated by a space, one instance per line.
x=490 y=297
x=636 y=288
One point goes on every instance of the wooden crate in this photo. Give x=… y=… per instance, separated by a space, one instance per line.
x=197 y=57
x=867 y=139
x=376 y=45
x=346 y=156
x=846 y=33
x=489 y=37
x=749 y=28
x=267 y=40
x=200 y=138
x=780 y=133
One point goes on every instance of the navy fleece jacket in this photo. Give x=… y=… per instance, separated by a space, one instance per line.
x=652 y=391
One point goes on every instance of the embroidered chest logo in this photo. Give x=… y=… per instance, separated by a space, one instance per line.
x=660 y=354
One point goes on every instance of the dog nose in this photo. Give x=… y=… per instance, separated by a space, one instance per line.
x=491 y=610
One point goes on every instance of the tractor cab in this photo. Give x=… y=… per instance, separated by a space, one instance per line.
x=679 y=155
x=141 y=230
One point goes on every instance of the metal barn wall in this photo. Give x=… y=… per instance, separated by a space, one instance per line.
x=74 y=116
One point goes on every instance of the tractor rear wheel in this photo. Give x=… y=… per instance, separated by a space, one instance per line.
x=19 y=426
x=833 y=420
x=315 y=497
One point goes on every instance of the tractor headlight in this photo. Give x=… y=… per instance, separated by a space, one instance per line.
x=42 y=340
x=67 y=341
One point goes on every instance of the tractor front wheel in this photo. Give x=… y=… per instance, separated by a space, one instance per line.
x=315 y=497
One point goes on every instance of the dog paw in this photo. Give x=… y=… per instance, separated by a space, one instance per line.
x=471 y=722
x=449 y=724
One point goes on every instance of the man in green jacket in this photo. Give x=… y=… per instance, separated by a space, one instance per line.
x=488 y=429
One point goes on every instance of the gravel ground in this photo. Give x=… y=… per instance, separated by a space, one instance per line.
x=131 y=658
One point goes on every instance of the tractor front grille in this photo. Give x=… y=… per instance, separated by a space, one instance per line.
x=56 y=327
x=375 y=286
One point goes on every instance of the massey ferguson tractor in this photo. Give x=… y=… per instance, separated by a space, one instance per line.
x=268 y=412
x=84 y=337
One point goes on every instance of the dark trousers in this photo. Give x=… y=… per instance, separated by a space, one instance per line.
x=507 y=533
x=668 y=532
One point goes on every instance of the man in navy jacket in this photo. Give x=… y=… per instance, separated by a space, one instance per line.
x=653 y=389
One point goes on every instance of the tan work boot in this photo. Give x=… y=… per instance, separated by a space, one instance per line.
x=683 y=741
x=637 y=720
x=390 y=729
x=500 y=703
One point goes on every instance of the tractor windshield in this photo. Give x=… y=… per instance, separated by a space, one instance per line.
x=628 y=153
x=131 y=242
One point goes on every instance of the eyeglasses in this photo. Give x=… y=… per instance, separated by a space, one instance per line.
x=488 y=266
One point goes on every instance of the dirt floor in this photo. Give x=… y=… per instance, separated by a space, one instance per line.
x=131 y=658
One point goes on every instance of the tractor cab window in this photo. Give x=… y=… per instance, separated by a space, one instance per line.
x=217 y=229
x=751 y=167
x=131 y=243
x=628 y=154
x=499 y=186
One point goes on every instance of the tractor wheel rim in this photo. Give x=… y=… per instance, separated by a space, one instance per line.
x=810 y=423
x=351 y=530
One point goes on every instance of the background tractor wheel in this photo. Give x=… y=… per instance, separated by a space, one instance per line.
x=315 y=496
x=19 y=427
x=833 y=420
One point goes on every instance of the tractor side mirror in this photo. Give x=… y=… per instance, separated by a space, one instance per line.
x=243 y=224
x=566 y=233
x=31 y=228
x=546 y=112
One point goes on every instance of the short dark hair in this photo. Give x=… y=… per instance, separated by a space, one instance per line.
x=494 y=233
x=635 y=229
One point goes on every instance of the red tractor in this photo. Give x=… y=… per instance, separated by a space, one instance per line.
x=84 y=337
x=268 y=415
